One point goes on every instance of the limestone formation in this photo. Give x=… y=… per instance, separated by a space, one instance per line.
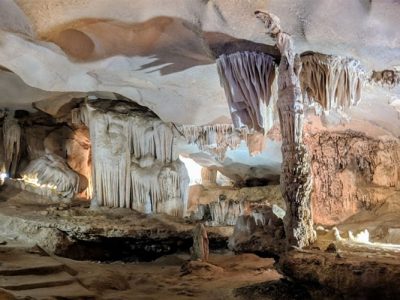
x=334 y=82
x=247 y=79
x=133 y=158
x=296 y=171
x=214 y=139
x=179 y=134
x=200 y=249
x=352 y=172
x=51 y=172
x=12 y=143
x=389 y=78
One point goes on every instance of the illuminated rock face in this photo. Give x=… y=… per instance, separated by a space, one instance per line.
x=133 y=158
x=51 y=172
x=352 y=172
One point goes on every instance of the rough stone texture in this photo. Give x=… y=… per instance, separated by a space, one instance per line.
x=200 y=249
x=296 y=173
x=76 y=232
x=349 y=275
x=351 y=172
x=262 y=233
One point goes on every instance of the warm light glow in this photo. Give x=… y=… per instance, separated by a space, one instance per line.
x=193 y=169
x=362 y=239
x=34 y=181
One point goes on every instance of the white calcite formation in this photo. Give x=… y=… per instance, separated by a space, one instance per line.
x=11 y=143
x=214 y=139
x=133 y=159
x=247 y=78
x=332 y=81
x=52 y=176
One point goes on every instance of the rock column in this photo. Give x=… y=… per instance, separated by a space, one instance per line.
x=296 y=169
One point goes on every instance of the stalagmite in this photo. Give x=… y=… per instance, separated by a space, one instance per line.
x=52 y=172
x=296 y=169
x=200 y=249
x=247 y=78
x=332 y=81
x=134 y=165
x=12 y=140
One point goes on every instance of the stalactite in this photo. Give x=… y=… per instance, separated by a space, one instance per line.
x=247 y=79
x=388 y=78
x=12 y=140
x=52 y=172
x=214 y=139
x=134 y=165
x=296 y=170
x=221 y=212
x=332 y=81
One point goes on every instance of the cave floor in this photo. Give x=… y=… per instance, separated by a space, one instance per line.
x=28 y=271
x=26 y=220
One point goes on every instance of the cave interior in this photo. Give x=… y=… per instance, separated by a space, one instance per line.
x=199 y=149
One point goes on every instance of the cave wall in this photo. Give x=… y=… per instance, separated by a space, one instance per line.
x=352 y=172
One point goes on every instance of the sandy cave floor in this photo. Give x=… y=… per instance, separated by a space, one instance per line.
x=26 y=219
x=164 y=279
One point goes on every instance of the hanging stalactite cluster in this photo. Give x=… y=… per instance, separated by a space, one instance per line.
x=134 y=164
x=387 y=78
x=247 y=79
x=332 y=81
x=214 y=139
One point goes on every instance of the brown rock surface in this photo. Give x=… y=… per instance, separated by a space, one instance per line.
x=351 y=172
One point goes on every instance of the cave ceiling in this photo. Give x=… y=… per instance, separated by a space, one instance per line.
x=162 y=54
